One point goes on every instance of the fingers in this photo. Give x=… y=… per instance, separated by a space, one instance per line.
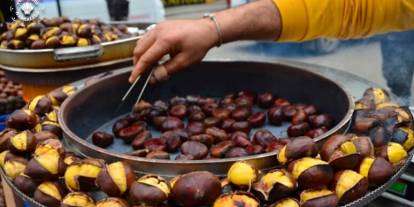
x=148 y=58
x=143 y=44
x=163 y=71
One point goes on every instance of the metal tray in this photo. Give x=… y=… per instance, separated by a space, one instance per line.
x=95 y=105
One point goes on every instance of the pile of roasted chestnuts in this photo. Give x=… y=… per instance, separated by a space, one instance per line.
x=59 y=32
x=10 y=95
x=199 y=128
x=344 y=169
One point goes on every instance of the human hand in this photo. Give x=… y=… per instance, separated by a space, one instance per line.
x=185 y=41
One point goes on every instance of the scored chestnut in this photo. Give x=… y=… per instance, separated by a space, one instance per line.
x=149 y=190
x=128 y=133
x=196 y=189
x=115 y=179
x=311 y=172
x=318 y=198
x=196 y=149
x=404 y=136
x=257 y=119
x=236 y=199
x=220 y=149
x=77 y=199
x=22 y=143
x=112 y=202
x=263 y=137
x=12 y=165
x=102 y=139
x=299 y=147
x=140 y=140
x=40 y=105
x=363 y=145
x=377 y=170
x=393 y=153
x=58 y=96
x=25 y=184
x=265 y=100
x=49 y=194
x=22 y=120
x=340 y=152
x=81 y=176
x=286 y=202
x=349 y=186
x=274 y=185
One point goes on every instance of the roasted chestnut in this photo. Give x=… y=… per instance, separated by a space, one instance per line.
x=155 y=144
x=115 y=179
x=197 y=116
x=377 y=170
x=149 y=190
x=178 y=110
x=194 y=128
x=217 y=134
x=81 y=176
x=236 y=152
x=257 y=119
x=321 y=120
x=227 y=125
x=240 y=139
x=221 y=113
x=84 y=30
x=195 y=149
x=112 y=202
x=265 y=100
x=119 y=124
x=379 y=136
x=59 y=95
x=241 y=113
x=22 y=120
x=77 y=199
x=52 y=42
x=340 y=152
x=299 y=147
x=128 y=133
x=68 y=40
x=404 y=136
x=220 y=149
x=206 y=139
x=47 y=162
x=22 y=143
x=298 y=129
x=196 y=189
x=5 y=135
x=263 y=137
x=363 y=145
x=212 y=122
x=12 y=164
x=35 y=28
x=299 y=117
x=393 y=153
x=49 y=194
x=311 y=172
x=171 y=123
x=313 y=133
x=376 y=95
x=172 y=139
x=25 y=184
x=318 y=198
x=237 y=199
x=159 y=155
x=286 y=202
x=349 y=186
x=50 y=126
x=242 y=174
x=255 y=149
x=274 y=185
x=243 y=126
x=102 y=139
x=15 y=44
x=362 y=123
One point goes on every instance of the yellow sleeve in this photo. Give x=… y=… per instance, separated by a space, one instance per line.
x=309 y=19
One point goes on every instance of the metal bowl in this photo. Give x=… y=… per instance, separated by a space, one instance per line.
x=95 y=105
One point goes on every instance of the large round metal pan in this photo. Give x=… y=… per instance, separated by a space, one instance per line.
x=95 y=105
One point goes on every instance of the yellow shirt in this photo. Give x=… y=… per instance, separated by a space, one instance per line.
x=309 y=19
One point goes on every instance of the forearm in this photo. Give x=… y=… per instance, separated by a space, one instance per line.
x=254 y=21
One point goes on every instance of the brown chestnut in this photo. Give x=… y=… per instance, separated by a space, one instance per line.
x=177 y=100
x=321 y=120
x=209 y=107
x=349 y=186
x=52 y=42
x=227 y=124
x=155 y=144
x=236 y=152
x=265 y=100
x=298 y=129
x=299 y=117
x=195 y=149
x=128 y=133
x=49 y=194
x=311 y=172
x=5 y=135
x=59 y=95
x=212 y=122
x=159 y=155
x=363 y=145
x=318 y=198
x=194 y=128
x=376 y=95
x=118 y=125
x=12 y=165
x=149 y=190
x=340 y=152
x=240 y=139
x=299 y=147
x=172 y=139
x=263 y=137
x=178 y=110
x=243 y=126
x=50 y=126
x=38 y=44
x=84 y=30
x=377 y=170
x=393 y=153
x=22 y=143
x=22 y=120
x=220 y=149
x=197 y=116
x=217 y=134
x=255 y=149
x=221 y=113
x=196 y=189
x=257 y=119
x=206 y=139
x=404 y=136
x=236 y=199
x=313 y=133
x=81 y=176
x=25 y=184
x=241 y=113
x=275 y=115
x=274 y=185
x=140 y=139
x=102 y=139
x=171 y=123
x=15 y=44
x=115 y=179
x=112 y=202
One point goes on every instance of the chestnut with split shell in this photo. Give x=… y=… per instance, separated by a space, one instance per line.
x=377 y=170
x=115 y=179
x=404 y=136
x=242 y=174
x=236 y=199
x=22 y=143
x=286 y=202
x=12 y=165
x=112 y=202
x=299 y=147
x=349 y=186
x=340 y=152
x=81 y=176
x=274 y=185
x=393 y=153
x=49 y=194
x=149 y=190
x=318 y=198
x=311 y=172
x=77 y=199
x=22 y=120
x=25 y=184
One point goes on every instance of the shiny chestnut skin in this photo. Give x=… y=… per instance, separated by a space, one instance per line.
x=128 y=133
x=255 y=149
x=257 y=119
x=206 y=139
x=197 y=116
x=298 y=129
x=142 y=193
x=194 y=128
x=243 y=126
x=273 y=146
x=236 y=152
x=196 y=149
x=172 y=140
x=244 y=102
x=196 y=189
x=321 y=120
x=209 y=107
x=155 y=144
x=178 y=110
x=220 y=149
x=102 y=139
x=171 y=123
x=379 y=136
x=119 y=124
x=221 y=113
x=212 y=122
x=108 y=178
x=140 y=139
x=281 y=102
x=46 y=199
x=159 y=155
x=298 y=147
x=217 y=134
x=275 y=115
x=289 y=112
x=22 y=120
x=265 y=100
x=241 y=139
x=25 y=184
x=299 y=117
x=263 y=137
x=241 y=113
x=227 y=125
x=316 y=132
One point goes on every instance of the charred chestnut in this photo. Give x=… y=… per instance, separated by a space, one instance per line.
x=149 y=190
x=102 y=139
x=311 y=172
x=196 y=189
x=195 y=149
x=115 y=179
x=49 y=194
x=404 y=136
x=299 y=147
x=349 y=186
